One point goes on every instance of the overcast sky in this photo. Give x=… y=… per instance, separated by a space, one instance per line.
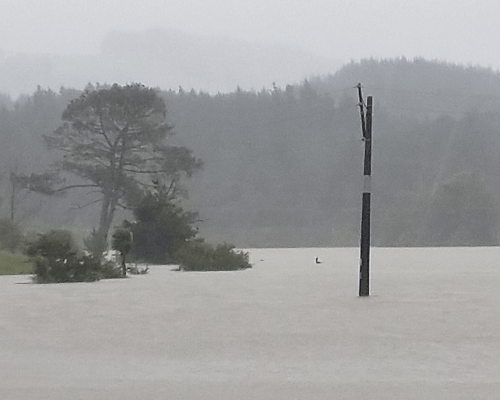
x=465 y=31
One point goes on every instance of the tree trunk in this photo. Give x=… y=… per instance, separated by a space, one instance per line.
x=124 y=266
x=12 y=202
x=105 y=220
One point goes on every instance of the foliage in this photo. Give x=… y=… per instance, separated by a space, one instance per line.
x=284 y=165
x=56 y=259
x=113 y=138
x=11 y=236
x=110 y=270
x=53 y=245
x=122 y=242
x=201 y=256
x=72 y=269
x=162 y=227
x=15 y=264
x=43 y=183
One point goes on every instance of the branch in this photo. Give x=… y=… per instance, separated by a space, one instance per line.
x=153 y=171
x=171 y=188
x=73 y=187
x=86 y=205
x=124 y=207
x=104 y=131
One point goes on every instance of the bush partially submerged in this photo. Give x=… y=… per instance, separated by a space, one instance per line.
x=200 y=256
x=72 y=269
x=56 y=259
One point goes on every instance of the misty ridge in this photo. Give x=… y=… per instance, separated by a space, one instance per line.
x=283 y=165
x=167 y=59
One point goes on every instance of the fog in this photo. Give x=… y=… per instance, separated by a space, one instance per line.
x=455 y=31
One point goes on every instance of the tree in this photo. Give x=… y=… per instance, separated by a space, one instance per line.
x=114 y=139
x=122 y=242
x=162 y=227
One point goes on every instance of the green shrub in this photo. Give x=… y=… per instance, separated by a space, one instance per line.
x=121 y=241
x=162 y=228
x=11 y=235
x=200 y=256
x=57 y=244
x=73 y=269
x=56 y=259
x=110 y=270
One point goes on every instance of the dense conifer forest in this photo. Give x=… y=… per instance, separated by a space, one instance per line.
x=283 y=165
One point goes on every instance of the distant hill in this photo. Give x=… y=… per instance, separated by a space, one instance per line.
x=283 y=166
x=166 y=59
x=418 y=87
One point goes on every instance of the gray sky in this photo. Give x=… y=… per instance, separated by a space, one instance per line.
x=465 y=31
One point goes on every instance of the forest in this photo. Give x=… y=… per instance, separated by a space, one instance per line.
x=282 y=167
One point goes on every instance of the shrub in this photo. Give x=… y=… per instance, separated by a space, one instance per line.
x=110 y=270
x=162 y=228
x=200 y=256
x=73 y=269
x=56 y=259
x=122 y=242
x=57 y=244
x=11 y=236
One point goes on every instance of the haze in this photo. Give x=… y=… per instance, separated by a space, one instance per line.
x=452 y=30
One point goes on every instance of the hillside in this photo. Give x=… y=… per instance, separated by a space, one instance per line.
x=419 y=87
x=283 y=166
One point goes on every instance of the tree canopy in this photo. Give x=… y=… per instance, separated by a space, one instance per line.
x=113 y=138
x=161 y=228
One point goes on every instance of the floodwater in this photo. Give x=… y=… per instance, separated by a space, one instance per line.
x=286 y=329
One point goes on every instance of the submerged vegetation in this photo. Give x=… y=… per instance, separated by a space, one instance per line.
x=56 y=258
x=200 y=256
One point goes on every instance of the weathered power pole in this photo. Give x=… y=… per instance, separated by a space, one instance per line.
x=366 y=126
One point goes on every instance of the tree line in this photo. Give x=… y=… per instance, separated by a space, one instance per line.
x=283 y=166
x=112 y=142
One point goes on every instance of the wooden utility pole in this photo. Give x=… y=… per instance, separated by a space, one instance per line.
x=366 y=126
